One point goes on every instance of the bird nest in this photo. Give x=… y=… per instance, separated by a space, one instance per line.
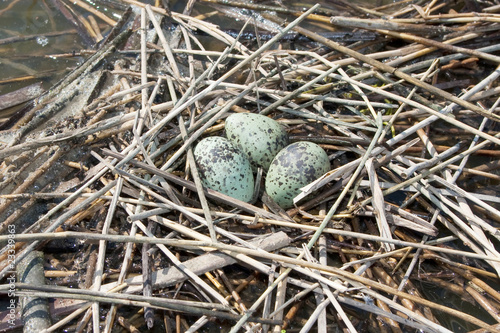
x=101 y=193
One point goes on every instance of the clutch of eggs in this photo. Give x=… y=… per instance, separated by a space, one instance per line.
x=253 y=140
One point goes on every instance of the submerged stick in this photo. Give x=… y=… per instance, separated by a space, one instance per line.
x=35 y=310
x=33 y=119
x=376 y=24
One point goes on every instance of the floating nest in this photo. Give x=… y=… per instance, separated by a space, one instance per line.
x=100 y=191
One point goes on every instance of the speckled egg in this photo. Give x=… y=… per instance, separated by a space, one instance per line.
x=294 y=167
x=224 y=168
x=259 y=137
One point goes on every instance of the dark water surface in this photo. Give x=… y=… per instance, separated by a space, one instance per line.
x=34 y=34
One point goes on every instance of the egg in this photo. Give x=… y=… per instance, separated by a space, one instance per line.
x=258 y=136
x=224 y=168
x=295 y=166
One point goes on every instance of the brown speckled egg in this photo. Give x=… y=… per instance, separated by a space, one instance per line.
x=294 y=167
x=224 y=168
x=258 y=136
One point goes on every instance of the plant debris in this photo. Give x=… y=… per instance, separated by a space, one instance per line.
x=98 y=174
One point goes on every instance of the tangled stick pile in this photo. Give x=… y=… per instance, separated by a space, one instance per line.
x=400 y=234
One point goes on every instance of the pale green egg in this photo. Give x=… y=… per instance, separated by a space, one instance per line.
x=258 y=136
x=224 y=168
x=294 y=167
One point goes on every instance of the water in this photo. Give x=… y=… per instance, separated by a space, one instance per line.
x=27 y=40
x=34 y=33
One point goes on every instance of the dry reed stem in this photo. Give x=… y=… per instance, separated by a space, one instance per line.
x=444 y=46
x=72 y=292
x=60 y=220
x=198 y=184
x=388 y=25
x=427 y=50
x=396 y=72
x=98 y=275
x=435 y=114
x=179 y=265
x=97 y=13
x=379 y=205
x=57 y=153
x=140 y=240
x=164 y=43
x=67 y=319
x=330 y=298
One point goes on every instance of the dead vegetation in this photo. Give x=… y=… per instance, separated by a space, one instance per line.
x=97 y=174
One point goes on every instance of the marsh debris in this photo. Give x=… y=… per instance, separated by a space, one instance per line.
x=98 y=174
